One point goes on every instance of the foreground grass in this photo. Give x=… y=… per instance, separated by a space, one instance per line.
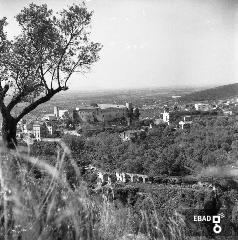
x=37 y=201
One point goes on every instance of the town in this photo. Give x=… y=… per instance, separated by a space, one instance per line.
x=129 y=121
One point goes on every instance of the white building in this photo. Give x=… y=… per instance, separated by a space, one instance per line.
x=166 y=117
x=62 y=113
x=42 y=130
x=186 y=122
x=59 y=113
x=202 y=106
x=56 y=112
x=37 y=131
x=49 y=117
x=130 y=135
x=227 y=112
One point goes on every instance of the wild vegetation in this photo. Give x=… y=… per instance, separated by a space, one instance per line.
x=37 y=202
x=207 y=149
x=163 y=150
x=45 y=193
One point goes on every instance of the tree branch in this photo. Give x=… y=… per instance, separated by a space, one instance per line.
x=39 y=101
x=16 y=100
x=3 y=108
x=72 y=71
x=43 y=78
x=61 y=58
x=52 y=79
x=63 y=53
x=3 y=91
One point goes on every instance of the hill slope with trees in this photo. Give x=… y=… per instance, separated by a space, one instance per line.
x=221 y=92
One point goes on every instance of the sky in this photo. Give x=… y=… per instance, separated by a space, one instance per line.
x=154 y=43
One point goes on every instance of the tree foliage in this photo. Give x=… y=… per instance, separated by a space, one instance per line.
x=163 y=150
x=39 y=62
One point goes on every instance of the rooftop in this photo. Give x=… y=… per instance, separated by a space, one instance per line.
x=105 y=106
x=37 y=123
x=49 y=115
x=85 y=108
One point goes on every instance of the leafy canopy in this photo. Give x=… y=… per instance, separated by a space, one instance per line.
x=38 y=63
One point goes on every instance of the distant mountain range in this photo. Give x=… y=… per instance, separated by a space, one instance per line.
x=221 y=92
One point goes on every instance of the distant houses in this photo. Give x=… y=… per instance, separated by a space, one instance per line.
x=60 y=113
x=131 y=135
x=38 y=129
x=43 y=130
x=166 y=115
x=183 y=115
x=87 y=119
x=227 y=112
x=49 y=117
x=123 y=119
x=184 y=118
x=202 y=107
x=186 y=122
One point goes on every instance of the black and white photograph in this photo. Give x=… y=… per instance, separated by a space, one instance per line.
x=119 y=119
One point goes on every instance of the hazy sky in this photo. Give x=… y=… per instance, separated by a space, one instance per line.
x=155 y=43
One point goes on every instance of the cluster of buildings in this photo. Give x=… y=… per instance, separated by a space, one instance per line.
x=53 y=125
x=129 y=135
x=47 y=128
x=109 y=178
x=63 y=121
x=223 y=106
x=185 y=120
x=182 y=115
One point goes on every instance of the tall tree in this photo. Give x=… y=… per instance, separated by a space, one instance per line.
x=136 y=113
x=39 y=62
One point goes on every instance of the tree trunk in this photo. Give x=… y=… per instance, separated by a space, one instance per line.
x=9 y=130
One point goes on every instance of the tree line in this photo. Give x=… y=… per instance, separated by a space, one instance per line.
x=164 y=150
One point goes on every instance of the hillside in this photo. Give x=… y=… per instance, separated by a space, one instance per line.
x=221 y=92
